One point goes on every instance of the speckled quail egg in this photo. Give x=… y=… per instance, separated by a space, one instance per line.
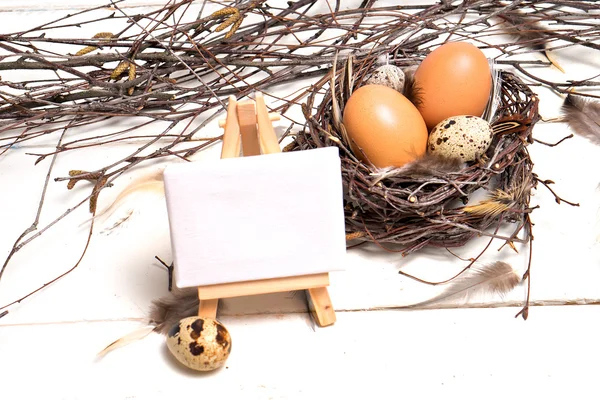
x=465 y=137
x=388 y=75
x=202 y=344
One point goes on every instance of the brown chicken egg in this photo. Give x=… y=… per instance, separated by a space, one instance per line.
x=384 y=127
x=454 y=79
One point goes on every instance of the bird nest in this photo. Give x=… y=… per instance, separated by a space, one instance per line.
x=431 y=201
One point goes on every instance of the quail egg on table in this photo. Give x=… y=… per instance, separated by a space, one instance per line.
x=202 y=344
x=465 y=137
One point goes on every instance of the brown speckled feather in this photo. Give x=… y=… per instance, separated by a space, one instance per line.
x=411 y=90
x=426 y=166
x=583 y=116
x=167 y=311
x=164 y=313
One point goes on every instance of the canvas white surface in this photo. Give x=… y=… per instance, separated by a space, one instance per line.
x=250 y=218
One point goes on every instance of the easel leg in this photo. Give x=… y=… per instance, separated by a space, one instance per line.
x=321 y=306
x=208 y=308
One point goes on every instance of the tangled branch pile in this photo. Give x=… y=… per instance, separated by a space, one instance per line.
x=171 y=67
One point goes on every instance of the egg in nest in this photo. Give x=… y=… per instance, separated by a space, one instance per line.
x=465 y=137
x=388 y=75
x=202 y=344
x=384 y=127
x=454 y=79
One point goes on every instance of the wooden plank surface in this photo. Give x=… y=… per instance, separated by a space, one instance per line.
x=120 y=270
x=55 y=335
x=466 y=354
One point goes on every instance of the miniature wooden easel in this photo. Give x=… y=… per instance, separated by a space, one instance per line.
x=248 y=126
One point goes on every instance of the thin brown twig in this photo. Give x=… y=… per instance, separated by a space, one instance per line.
x=185 y=69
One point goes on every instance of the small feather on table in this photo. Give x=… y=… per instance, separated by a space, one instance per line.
x=583 y=116
x=164 y=313
x=497 y=278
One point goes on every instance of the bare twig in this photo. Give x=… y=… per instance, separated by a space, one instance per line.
x=184 y=70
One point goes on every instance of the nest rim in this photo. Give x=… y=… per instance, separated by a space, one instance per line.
x=414 y=211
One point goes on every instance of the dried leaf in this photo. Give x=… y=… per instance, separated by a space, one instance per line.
x=490 y=208
x=118 y=71
x=86 y=50
x=131 y=77
x=132 y=71
x=234 y=28
x=354 y=235
x=348 y=78
x=75 y=172
x=224 y=11
x=96 y=192
x=89 y=49
x=103 y=35
x=227 y=22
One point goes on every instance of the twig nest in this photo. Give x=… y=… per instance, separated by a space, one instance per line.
x=378 y=202
x=202 y=344
x=464 y=137
x=388 y=75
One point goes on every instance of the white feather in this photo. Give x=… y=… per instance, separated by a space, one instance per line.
x=497 y=278
x=136 y=335
x=116 y=214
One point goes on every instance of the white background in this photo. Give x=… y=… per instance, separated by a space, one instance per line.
x=49 y=342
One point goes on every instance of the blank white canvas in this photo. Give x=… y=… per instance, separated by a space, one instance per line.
x=261 y=217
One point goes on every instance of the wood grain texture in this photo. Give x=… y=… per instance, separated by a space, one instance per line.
x=266 y=133
x=208 y=308
x=231 y=136
x=246 y=113
x=433 y=354
x=246 y=288
x=321 y=307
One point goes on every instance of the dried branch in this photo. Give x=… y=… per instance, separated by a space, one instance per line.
x=186 y=63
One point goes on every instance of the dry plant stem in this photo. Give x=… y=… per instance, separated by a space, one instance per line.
x=554 y=144
x=34 y=225
x=184 y=69
x=524 y=312
x=557 y=198
x=67 y=272
x=170 y=269
x=471 y=262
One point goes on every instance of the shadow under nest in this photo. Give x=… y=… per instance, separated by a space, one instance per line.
x=426 y=203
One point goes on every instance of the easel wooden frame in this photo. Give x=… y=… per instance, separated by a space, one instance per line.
x=248 y=127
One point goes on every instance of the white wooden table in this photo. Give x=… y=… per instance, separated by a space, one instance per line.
x=49 y=342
